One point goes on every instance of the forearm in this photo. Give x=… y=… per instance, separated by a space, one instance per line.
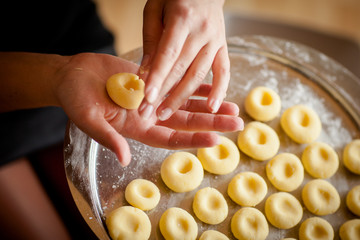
x=27 y=79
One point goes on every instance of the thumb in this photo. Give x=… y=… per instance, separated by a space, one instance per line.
x=103 y=133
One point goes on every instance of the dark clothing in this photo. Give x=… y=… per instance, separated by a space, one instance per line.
x=64 y=27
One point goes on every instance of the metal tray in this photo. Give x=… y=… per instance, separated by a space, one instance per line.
x=298 y=73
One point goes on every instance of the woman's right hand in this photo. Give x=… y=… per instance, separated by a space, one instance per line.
x=79 y=88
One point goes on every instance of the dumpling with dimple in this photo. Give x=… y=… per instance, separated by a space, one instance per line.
x=128 y=223
x=351 y=156
x=182 y=172
x=285 y=172
x=316 y=228
x=126 y=90
x=247 y=189
x=258 y=141
x=249 y=223
x=283 y=210
x=142 y=193
x=210 y=206
x=220 y=159
x=301 y=124
x=320 y=197
x=176 y=223
x=263 y=104
x=320 y=160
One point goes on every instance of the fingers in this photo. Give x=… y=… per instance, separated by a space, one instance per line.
x=167 y=52
x=159 y=136
x=221 y=78
x=189 y=83
x=183 y=120
x=226 y=108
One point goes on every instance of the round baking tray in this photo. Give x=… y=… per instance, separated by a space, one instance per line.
x=299 y=74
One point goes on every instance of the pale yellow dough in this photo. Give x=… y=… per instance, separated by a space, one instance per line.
x=320 y=160
x=258 y=141
x=249 y=224
x=350 y=230
x=182 y=172
x=283 y=210
x=316 y=228
x=263 y=104
x=126 y=90
x=301 y=124
x=177 y=224
x=143 y=194
x=285 y=172
x=247 y=189
x=210 y=206
x=221 y=159
x=353 y=200
x=320 y=197
x=351 y=156
x=128 y=223
x=213 y=235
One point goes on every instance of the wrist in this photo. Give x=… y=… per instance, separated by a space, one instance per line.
x=28 y=80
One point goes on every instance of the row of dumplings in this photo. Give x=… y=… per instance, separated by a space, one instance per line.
x=183 y=172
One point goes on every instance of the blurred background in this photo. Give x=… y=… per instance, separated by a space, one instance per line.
x=330 y=26
x=335 y=17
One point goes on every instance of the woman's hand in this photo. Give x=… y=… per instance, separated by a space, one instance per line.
x=80 y=90
x=182 y=40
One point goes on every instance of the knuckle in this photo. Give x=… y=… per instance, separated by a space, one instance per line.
x=205 y=26
x=183 y=11
x=198 y=76
x=170 y=52
x=178 y=70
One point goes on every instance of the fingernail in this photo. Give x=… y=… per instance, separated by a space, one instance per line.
x=152 y=95
x=241 y=125
x=165 y=114
x=142 y=106
x=146 y=114
x=144 y=64
x=215 y=105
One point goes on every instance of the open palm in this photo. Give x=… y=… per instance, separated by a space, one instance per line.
x=80 y=88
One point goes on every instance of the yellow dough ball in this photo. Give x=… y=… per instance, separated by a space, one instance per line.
x=177 y=224
x=249 y=224
x=182 y=172
x=320 y=160
x=210 y=206
x=320 y=197
x=285 y=172
x=247 y=189
x=263 y=104
x=301 y=124
x=128 y=223
x=316 y=228
x=283 y=210
x=351 y=156
x=142 y=194
x=213 y=235
x=258 y=141
x=126 y=90
x=220 y=159
x=350 y=230
x=353 y=200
